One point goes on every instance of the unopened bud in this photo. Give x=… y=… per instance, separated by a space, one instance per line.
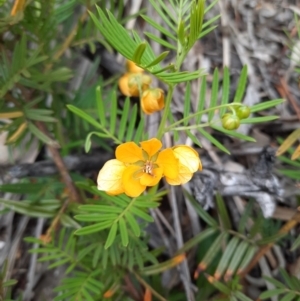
x=130 y=83
x=230 y=121
x=152 y=100
x=243 y=112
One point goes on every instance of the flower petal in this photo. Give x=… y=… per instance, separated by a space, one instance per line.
x=170 y=164
x=151 y=147
x=183 y=177
x=110 y=177
x=123 y=84
x=151 y=180
x=188 y=157
x=131 y=181
x=129 y=152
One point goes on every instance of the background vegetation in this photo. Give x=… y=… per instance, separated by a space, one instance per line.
x=229 y=234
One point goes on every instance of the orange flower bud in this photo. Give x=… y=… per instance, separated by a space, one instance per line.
x=133 y=68
x=152 y=100
x=123 y=84
x=129 y=83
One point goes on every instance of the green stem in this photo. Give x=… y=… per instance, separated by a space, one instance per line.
x=161 y=129
x=192 y=127
x=198 y=113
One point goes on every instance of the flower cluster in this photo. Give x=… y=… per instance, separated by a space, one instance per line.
x=136 y=167
x=231 y=121
x=135 y=83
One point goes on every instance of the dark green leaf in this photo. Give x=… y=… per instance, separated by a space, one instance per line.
x=271 y=293
x=93 y=228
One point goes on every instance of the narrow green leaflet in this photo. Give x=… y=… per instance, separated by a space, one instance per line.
x=138 y=53
x=213 y=140
x=164 y=14
x=223 y=213
x=241 y=86
x=295 y=245
x=22 y=188
x=220 y=286
x=193 y=138
x=214 y=94
x=123 y=232
x=113 y=112
x=247 y=258
x=131 y=123
x=95 y=217
x=111 y=235
x=26 y=208
x=226 y=257
x=159 y=27
x=265 y=105
x=276 y=283
x=201 y=212
x=233 y=133
x=236 y=259
x=93 y=228
x=92 y=121
x=158 y=59
x=197 y=239
x=123 y=122
x=258 y=119
x=225 y=90
x=133 y=224
x=242 y=297
x=187 y=103
x=84 y=116
x=289 y=296
x=139 y=132
x=40 y=135
x=88 y=142
x=201 y=99
x=100 y=106
x=160 y=41
x=270 y=293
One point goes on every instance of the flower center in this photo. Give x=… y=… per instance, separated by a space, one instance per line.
x=148 y=168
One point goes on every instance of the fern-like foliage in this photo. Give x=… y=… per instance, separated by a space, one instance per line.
x=88 y=262
x=287 y=290
x=130 y=47
x=119 y=214
x=191 y=122
x=11 y=69
x=119 y=126
x=229 y=251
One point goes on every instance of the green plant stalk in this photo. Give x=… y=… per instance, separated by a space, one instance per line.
x=181 y=54
x=197 y=113
x=192 y=127
x=161 y=129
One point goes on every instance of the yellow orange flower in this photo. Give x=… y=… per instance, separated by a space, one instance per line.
x=130 y=83
x=136 y=167
x=152 y=100
x=189 y=162
x=133 y=68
